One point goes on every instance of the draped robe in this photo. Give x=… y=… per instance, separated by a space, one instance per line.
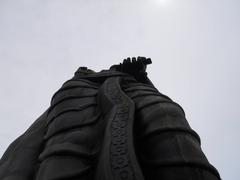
x=108 y=125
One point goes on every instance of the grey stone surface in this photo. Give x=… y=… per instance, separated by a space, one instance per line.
x=113 y=124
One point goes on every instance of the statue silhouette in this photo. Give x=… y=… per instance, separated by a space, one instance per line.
x=109 y=125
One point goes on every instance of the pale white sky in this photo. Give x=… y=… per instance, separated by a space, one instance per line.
x=194 y=46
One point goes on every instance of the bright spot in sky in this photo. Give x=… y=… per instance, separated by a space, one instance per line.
x=162 y=2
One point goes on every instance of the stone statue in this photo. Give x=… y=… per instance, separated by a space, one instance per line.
x=109 y=125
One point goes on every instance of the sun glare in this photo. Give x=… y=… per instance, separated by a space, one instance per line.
x=163 y=2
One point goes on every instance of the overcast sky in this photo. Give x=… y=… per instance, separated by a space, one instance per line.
x=194 y=46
